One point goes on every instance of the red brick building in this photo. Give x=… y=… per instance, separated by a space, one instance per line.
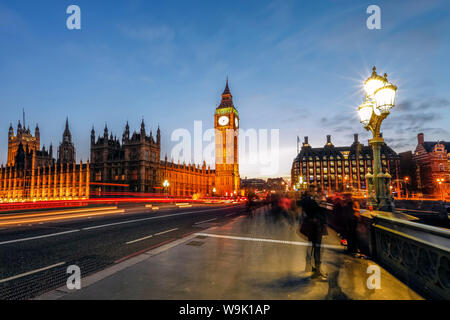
x=433 y=163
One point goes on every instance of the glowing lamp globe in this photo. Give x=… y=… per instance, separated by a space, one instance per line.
x=385 y=98
x=373 y=83
x=365 y=112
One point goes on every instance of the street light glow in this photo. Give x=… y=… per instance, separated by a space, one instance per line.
x=365 y=112
x=380 y=98
x=373 y=83
x=385 y=98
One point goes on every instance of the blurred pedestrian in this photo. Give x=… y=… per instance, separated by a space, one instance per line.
x=313 y=227
x=350 y=222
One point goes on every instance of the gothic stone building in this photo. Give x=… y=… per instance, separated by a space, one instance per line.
x=335 y=168
x=128 y=166
x=34 y=175
x=134 y=164
x=432 y=162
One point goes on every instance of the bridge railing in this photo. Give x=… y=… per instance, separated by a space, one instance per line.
x=417 y=253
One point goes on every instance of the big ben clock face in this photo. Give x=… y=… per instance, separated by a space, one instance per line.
x=223 y=120
x=236 y=122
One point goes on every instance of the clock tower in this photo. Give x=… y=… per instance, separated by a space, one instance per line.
x=226 y=124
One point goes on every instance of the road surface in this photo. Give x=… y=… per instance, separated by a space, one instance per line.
x=35 y=251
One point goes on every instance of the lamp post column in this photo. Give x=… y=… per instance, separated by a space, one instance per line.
x=378 y=185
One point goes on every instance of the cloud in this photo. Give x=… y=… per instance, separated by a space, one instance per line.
x=148 y=33
x=434 y=103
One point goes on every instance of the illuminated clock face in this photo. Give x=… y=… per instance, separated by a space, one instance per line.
x=236 y=122
x=223 y=120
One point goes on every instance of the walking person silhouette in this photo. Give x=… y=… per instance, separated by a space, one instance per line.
x=313 y=227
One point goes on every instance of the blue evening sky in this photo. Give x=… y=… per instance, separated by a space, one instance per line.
x=296 y=66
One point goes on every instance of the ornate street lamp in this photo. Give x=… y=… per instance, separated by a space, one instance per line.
x=380 y=99
x=166 y=185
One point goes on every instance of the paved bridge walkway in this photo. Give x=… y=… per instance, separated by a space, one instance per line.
x=258 y=257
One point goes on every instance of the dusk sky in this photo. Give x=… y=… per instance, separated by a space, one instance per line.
x=297 y=66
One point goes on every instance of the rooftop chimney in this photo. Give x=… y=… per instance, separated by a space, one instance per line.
x=306 y=141
x=420 y=138
x=355 y=138
x=328 y=139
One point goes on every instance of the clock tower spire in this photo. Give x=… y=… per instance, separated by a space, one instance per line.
x=226 y=124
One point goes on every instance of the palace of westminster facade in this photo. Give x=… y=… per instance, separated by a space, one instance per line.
x=118 y=168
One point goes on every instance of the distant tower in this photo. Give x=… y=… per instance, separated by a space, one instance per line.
x=92 y=135
x=226 y=123
x=66 y=150
x=37 y=134
x=11 y=131
x=142 y=130
x=24 y=137
x=126 y=133
x=158 y=136
x=105 y=133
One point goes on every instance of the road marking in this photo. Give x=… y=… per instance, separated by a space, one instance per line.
x=150 y=236
x=151 y=218
x=137 y=240
x=205 y=221
x=106 y=225
x=296 y=243
x=39 y=237
x=61 y=217
x=52 y=213
x=31 y=272
x=160 y=233
x=144 y=250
